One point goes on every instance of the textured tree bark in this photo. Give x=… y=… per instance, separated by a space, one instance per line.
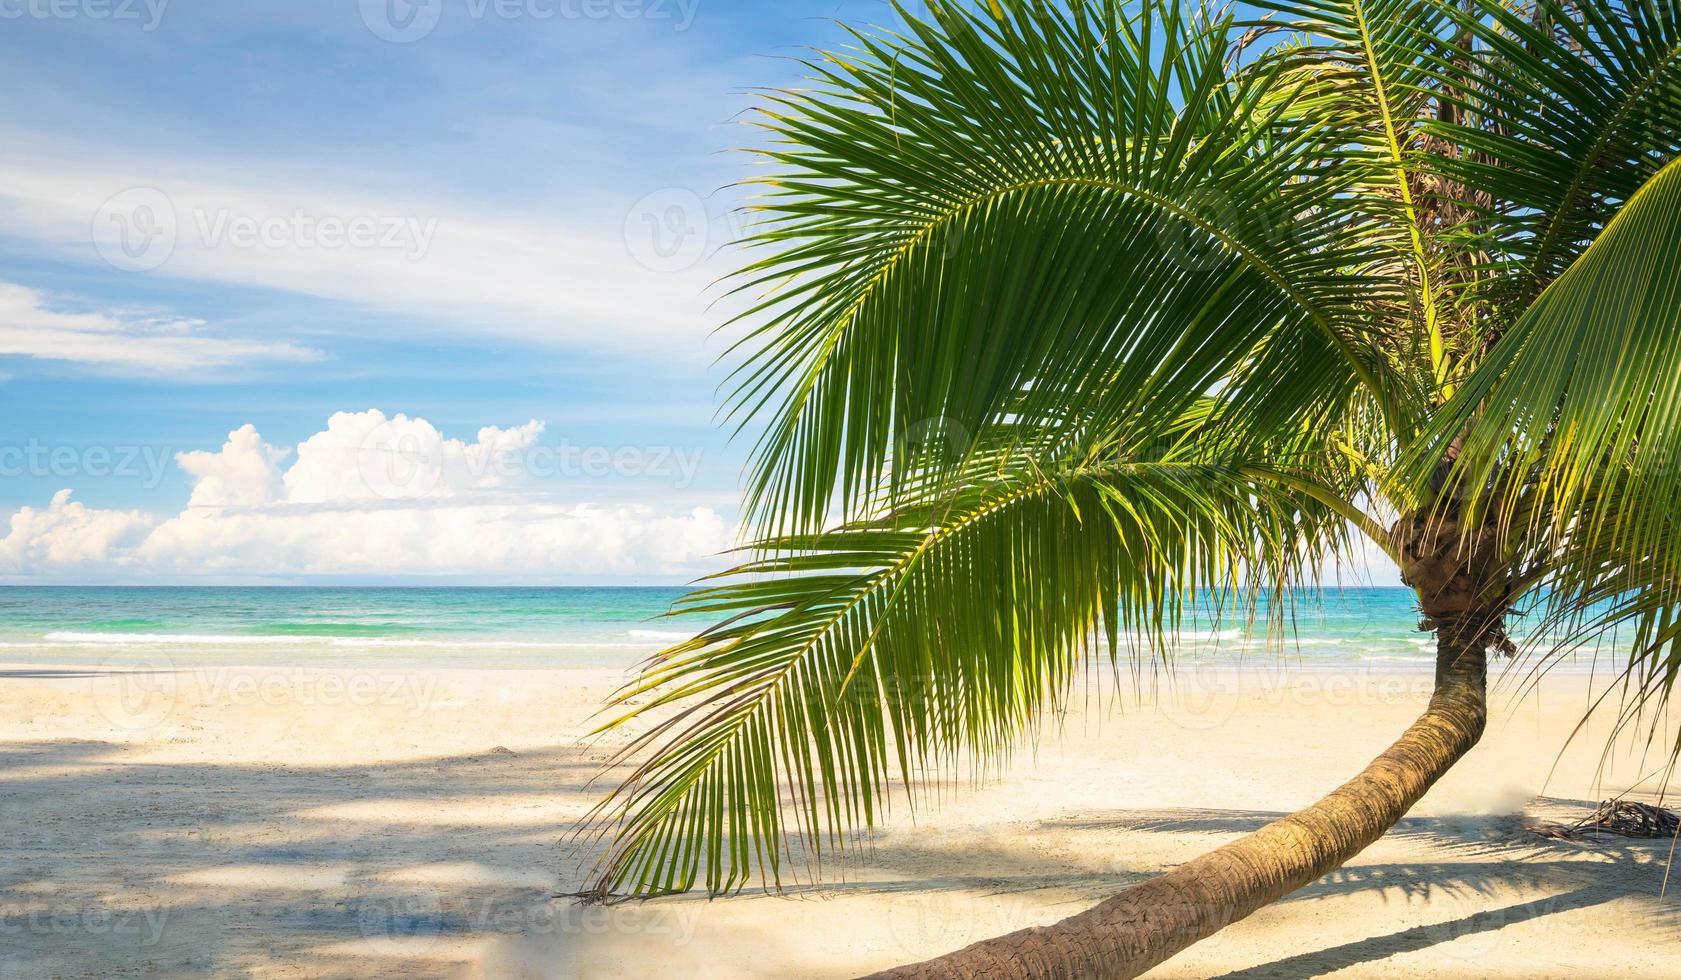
x=1149 y=922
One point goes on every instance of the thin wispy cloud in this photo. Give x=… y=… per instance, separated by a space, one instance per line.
x=31 y=326
x=632 y=274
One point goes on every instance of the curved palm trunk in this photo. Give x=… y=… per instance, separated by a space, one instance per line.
x=1149 y=922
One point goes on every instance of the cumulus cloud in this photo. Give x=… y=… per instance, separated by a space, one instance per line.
x=369 y=495
x=30 y=327
x=245 y=471
x=366 y=456
x=67 y=533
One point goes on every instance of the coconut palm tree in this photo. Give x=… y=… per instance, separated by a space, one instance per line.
x=1069 y=315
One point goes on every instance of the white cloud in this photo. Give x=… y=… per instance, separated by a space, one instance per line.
x=370 y=495
x=245 y=471
x=29 y=327
x=366 y=456
x=69 y=534
x=599 y=278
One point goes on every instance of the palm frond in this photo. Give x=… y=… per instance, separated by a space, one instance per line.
x=1370 y=85
x=1070 y=313
x=1568 y=434
x=883 y=650
x=1556 y=113
x=1043 y=213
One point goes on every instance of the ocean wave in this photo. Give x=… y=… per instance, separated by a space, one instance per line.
x=84 y=639
x=80 y=638
x=1182 y=636
x=663 y=634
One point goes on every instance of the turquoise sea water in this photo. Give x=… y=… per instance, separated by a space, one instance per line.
x=554 y=627
x=326 y=626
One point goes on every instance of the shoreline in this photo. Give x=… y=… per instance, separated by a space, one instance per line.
x=1250 y=664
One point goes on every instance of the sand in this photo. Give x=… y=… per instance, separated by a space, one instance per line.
x=272 y=822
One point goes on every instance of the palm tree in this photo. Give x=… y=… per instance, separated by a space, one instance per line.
x=1067 y=315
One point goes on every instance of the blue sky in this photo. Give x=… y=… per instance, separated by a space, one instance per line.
x=255 y=255
x=509 y=162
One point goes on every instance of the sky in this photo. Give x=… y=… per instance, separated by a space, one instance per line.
x=259 y=261
x=375 y=290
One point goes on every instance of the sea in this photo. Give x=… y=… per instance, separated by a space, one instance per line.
x=594 y=627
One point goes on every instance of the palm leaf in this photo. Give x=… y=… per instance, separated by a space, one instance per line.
x=1559 y=112
x=1048 y=213
x=883 y=650
x=1567 y=436
x=1371 y=86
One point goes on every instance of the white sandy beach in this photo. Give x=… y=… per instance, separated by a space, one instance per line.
x=273 y=822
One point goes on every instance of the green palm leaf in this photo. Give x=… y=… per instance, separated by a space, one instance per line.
x=1370 y=85
x=1568 y=436
x=1557 y=113
x=1049 y=214
x=883 y=649
x=1070 y=315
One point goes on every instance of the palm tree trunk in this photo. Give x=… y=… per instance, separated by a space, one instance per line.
x=1149 y=922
